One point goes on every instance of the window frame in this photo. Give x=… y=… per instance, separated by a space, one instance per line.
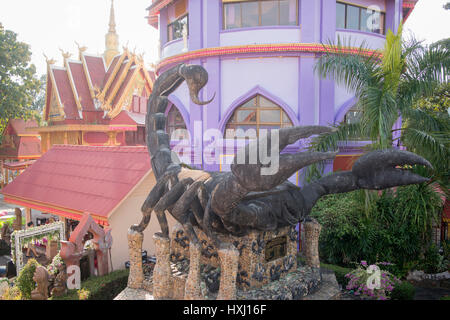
x=232 y=120
x=259 y=15
x=186 y=15
x=172 y=127
x=360 y=7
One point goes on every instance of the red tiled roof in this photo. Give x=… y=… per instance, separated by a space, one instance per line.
x=80 y=179
x=27 y=146
x=65 y=93
x=20 y=126
x=110 y=70
x=129 y=118
x=96 y=70
x=81 y=86
x=18 y=165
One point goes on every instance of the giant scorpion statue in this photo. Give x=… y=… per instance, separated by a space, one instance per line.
x=245 y=199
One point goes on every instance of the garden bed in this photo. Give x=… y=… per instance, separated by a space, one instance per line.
x=99 y=288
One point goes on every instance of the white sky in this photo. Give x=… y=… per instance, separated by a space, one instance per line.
x=47 y=25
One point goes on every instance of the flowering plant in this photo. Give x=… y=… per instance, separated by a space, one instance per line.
x=370 y=281
x=57 y=263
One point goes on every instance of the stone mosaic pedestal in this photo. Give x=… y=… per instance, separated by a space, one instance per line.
x=260 y=265
x=162 y=274
x=136 y=277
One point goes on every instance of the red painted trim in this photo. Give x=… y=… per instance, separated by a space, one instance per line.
x=261 y=48
x=46 y=209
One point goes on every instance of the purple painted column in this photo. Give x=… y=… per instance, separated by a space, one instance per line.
x=390 y=15
x=211 y=112
x=326 y=92
x=196 y=127
x=195 y=42
x=327 y=33
x=307 y=19
x=306 y=91
x=163 y=26
x=397 y=133
x=195 y=24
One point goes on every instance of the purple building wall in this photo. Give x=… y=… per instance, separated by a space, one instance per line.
x=287 y=78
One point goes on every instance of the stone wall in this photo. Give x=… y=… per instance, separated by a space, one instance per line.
x=254 y=270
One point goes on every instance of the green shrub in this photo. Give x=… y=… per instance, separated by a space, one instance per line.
x=432 y=261
x=446 y=298
x=403 y=291
x=392 y=226
x=25 y=281
x=99 y=288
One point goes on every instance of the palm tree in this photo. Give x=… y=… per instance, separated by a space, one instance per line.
x=388 y=86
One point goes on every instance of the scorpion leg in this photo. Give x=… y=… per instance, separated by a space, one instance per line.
x=207 y=224
x=168 y=200
x=147 y=208
x=182 y=206
x=152 y=199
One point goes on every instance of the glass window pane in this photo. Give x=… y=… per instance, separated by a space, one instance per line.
x=353 y=116
x=263 y=102
x=270 y=116
x=377 y=22
x=250 y=14
x=286 y=118
x=269 y=13
x=246 y=131
x=232 y=15
x=340 y=15
x=288 y=12
x=250 y=104
x=366 y=20
x=246 y=116
x=352 y=17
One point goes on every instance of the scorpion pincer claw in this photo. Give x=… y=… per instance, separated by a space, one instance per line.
x=382 y=169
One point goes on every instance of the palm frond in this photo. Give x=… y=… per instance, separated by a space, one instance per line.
x=351 y=70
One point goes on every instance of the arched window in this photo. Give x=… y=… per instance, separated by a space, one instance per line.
x=175 y=121
x=257 y=113
x=353 y=115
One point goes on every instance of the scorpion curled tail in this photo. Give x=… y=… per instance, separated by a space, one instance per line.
x=158 y=141
x=165 y=163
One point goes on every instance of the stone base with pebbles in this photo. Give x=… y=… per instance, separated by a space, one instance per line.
x=260 y=265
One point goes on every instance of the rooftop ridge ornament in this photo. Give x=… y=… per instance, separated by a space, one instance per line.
x=112 y=19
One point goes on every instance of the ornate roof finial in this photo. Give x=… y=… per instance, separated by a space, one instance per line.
x=66 y=54
x=112 y=19
x=112 y=39
x=49 y=61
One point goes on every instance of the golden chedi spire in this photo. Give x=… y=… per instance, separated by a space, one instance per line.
x=111 y=39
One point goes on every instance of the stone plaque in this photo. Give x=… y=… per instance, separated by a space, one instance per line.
x=276 y=248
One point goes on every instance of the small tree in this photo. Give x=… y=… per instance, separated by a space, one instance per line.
x=18 y=85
